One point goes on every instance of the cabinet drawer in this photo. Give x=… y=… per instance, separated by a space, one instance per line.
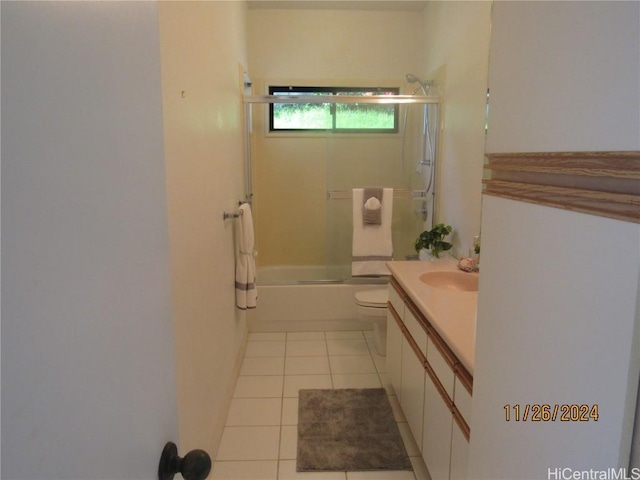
x=396 y=301
x=441 y=367
x=462 y=400
x=415 y=329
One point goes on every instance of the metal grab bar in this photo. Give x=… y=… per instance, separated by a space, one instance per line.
x=397 y=193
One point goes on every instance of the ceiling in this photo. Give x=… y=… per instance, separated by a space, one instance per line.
x=413 y=5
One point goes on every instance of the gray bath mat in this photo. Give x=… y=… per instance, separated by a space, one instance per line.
x=348 y=430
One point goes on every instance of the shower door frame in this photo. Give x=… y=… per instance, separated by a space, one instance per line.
x=249 y=100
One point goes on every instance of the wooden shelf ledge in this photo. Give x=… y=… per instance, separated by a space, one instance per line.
x=599 y=183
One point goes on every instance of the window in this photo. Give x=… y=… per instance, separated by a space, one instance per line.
x=337 y=117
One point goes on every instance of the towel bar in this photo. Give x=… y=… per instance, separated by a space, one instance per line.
x=397 y=193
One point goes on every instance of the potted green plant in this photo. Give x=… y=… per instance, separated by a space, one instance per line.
x=433 y=240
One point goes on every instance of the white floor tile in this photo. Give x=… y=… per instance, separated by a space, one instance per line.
x=262 y=366
x=259 y=441
x=249 y=443
x=306 y=348
x=371 y=343
x=245 y=470
x=347 y=347
x=265 y=349
x=293 y=383
x=287 y=471
x=289 y=411
x=254 y=411
x=288 y=442
x=344 y=334
x=351 y=364
x=306 y=366
x=258 y=387
x=266 y=336
x=357 y=380
x=305 y=336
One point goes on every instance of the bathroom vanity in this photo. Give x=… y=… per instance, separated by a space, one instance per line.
x=431 y=324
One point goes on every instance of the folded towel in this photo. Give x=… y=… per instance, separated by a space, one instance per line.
x=246 y=293
x=372 y=245
x=371 y=212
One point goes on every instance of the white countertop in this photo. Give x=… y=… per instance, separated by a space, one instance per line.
x=452 y=313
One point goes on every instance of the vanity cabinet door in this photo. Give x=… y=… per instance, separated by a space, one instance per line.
x=412 y=396
x=394 y=352
x=436 y=438
x=459 y=454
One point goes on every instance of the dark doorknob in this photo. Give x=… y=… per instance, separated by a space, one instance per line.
x=195 y=465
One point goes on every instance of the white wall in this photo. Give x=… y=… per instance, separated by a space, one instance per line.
x=88 y=388
x=558 y=316
x=570 y=74
x=203 y=48
x=305 y=44
x=556 y=325
x=455 y=52
x=292 y=175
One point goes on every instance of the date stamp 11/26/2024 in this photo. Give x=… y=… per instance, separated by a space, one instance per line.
x=543 y=412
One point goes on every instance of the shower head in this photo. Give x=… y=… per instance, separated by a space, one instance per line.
x=411 y=78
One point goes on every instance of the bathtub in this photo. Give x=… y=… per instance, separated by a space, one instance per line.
x=308 y=298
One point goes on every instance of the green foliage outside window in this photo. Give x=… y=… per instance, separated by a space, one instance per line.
x=342 y=117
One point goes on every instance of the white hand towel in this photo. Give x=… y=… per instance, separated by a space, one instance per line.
x=246 y=293
x=372 y=204
x=371 y=211
x=372 y=245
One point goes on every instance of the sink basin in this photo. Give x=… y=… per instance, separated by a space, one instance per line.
x=460 y=281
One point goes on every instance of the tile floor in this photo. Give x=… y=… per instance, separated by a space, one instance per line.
x=259 y=439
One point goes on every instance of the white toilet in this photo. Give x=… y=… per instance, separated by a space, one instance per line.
x=372 y=307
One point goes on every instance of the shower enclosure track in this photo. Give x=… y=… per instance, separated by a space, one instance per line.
x=380 y=99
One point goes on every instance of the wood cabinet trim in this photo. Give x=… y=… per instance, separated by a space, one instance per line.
x=464 y=377
x=414 y=346
x=417 y=314
x=444 y=349
x=466 y=431
x=439 y=387
x=399 y=290
x=407 y=335
x=395 y=316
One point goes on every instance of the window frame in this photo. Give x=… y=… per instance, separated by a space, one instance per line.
x=332 y=90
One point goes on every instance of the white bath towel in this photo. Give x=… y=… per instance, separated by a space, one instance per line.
x=246 y=293
x=372 y=245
